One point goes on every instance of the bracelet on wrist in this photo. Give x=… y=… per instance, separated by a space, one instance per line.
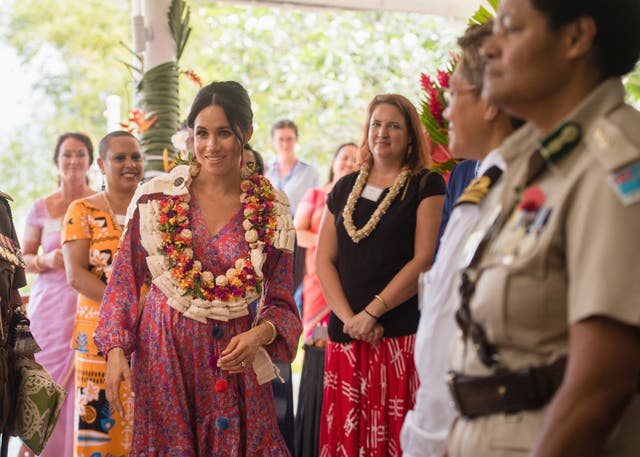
x=274 y=332
x=374 y=317
x=381 y=300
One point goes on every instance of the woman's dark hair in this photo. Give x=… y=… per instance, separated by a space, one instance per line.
x=259 y=161
x=234 y=101
x=617 y=39
x=284 y=124
x=105 y=142
x=335 y=154
x=84 y=139
x=417 y=157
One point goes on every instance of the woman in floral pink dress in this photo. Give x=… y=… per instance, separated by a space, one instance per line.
x=212 y=239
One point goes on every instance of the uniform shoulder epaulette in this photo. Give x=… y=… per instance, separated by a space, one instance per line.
x=614 y=140
x=478 y=189
x=619 y=135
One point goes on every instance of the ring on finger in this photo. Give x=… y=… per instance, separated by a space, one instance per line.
x=243 y=364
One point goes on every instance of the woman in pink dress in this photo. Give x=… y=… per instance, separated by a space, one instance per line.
x=315 y=312
x=52 y=302
x=211 y=239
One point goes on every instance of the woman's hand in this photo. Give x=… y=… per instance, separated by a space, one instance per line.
x=378 y=333
x=242 y=349
x=52 y=259
x=25 y=452
x=363 y=327
x=117 y=371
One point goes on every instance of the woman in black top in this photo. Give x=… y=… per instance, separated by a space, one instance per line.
x=378 y=233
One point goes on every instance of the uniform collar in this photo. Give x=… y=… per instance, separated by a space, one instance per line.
x=520 y=141
x=493 y=158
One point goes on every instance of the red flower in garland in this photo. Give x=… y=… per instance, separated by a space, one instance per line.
x=260 y=223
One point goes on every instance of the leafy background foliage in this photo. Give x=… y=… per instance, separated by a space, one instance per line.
x=318 y=67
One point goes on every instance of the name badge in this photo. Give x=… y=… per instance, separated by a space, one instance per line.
x=371 y=193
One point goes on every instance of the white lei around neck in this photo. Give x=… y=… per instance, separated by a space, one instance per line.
x=177 y=183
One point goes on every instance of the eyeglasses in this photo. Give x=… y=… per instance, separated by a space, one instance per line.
x=449 y=95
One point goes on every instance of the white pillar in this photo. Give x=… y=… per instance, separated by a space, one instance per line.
x=138 y=35
x=112 y=113
x=160 y=47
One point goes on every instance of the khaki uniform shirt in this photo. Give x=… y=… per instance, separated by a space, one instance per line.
x=577 y=261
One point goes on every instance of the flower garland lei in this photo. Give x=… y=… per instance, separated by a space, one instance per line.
x=359 y=234
x=242 y=280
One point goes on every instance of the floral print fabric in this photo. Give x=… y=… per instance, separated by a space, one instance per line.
x=84 y=221
x=185 y=406
x=99 y=431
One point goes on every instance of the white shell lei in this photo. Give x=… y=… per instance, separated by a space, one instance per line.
x=358 y=235
x=177 y=183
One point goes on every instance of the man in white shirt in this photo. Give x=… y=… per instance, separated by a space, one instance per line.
x=476 y=131
x=287 y=172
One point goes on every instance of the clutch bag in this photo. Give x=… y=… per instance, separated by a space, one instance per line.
x=38 y=403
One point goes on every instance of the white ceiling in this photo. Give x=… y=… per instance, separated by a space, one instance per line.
x=460 y=9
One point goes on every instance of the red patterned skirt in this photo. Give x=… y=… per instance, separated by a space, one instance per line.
x=368 y=389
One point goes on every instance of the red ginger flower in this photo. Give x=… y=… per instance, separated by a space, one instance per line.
x=443 y=78
x=425 y=82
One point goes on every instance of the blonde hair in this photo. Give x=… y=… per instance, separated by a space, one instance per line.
x=472 y=61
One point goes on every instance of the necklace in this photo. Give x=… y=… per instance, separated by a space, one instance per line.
x=166 y=234
x=114 y=218
x=240 y=281
x=359 y=234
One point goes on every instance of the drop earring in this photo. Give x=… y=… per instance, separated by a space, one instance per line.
x=103 y=186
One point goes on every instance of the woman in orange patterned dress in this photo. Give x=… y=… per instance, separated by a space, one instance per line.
x=91 y=232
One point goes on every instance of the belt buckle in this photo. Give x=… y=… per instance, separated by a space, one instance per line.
x=536 y=387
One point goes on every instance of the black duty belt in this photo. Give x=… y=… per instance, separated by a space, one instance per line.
x=506 y=391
